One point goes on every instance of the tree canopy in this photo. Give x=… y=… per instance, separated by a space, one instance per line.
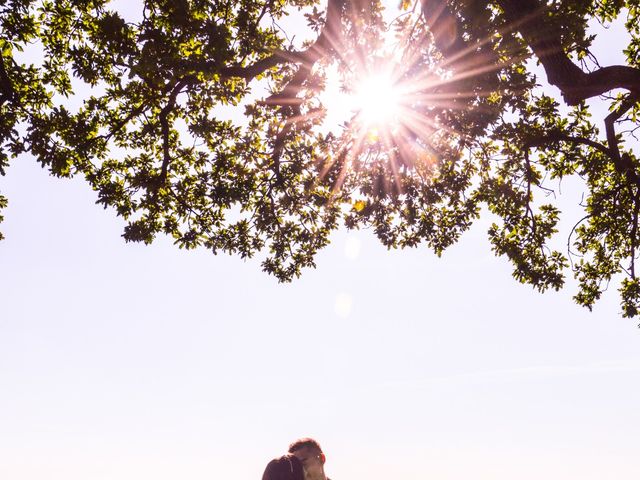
x=206 y=120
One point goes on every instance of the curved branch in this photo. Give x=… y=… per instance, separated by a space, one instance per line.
x=527 y=16
x=609 y=78
x=622 y=163
x=570 y=254
x=558 y=136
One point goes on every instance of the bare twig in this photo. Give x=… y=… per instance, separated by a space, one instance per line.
x=634 y=233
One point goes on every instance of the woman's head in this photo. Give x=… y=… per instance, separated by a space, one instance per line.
x=287 y=467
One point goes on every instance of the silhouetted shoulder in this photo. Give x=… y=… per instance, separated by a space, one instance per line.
x=287 y=467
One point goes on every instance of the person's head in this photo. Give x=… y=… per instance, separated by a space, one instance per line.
x=288 y=467
x=308 y=451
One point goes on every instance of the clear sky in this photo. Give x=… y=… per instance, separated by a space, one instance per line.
x=123 y=362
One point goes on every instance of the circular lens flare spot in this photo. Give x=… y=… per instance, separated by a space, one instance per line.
x=343 y=305
x=352 y=247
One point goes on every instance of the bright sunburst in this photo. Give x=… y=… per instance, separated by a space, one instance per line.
x=384 y=108
x=377 y=100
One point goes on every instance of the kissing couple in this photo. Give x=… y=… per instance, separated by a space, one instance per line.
x=304 y=461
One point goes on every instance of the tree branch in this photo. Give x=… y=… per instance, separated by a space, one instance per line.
x=287 y=99
x=622 y=163
x=249 y=72
x=558 y=136
x=326 y=43
x=634 y=233
x=164 y=125
x=527 y=16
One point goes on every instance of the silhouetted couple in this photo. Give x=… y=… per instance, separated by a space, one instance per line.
x=305 y=461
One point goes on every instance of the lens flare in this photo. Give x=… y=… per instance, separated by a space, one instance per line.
x=343 y=305
x=377 y=99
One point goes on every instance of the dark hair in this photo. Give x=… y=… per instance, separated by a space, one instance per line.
x=287 y=467
x=304 y=442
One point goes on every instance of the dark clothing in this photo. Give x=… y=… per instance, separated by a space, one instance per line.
x=287 y=467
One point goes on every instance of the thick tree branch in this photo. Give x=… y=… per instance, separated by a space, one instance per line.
x=528 y=17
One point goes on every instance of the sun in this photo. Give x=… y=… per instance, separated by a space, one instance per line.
x=377 y=100
x=380 y=114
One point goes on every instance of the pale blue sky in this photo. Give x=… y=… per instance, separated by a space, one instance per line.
x=121 y=361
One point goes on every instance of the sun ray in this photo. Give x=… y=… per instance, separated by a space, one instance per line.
x=394 y=107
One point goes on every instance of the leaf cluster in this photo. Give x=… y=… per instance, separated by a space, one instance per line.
x=202 y=122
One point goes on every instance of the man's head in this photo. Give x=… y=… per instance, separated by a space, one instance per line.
x=308 y=451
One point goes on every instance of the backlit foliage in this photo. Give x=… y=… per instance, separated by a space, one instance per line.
x=204 y=120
